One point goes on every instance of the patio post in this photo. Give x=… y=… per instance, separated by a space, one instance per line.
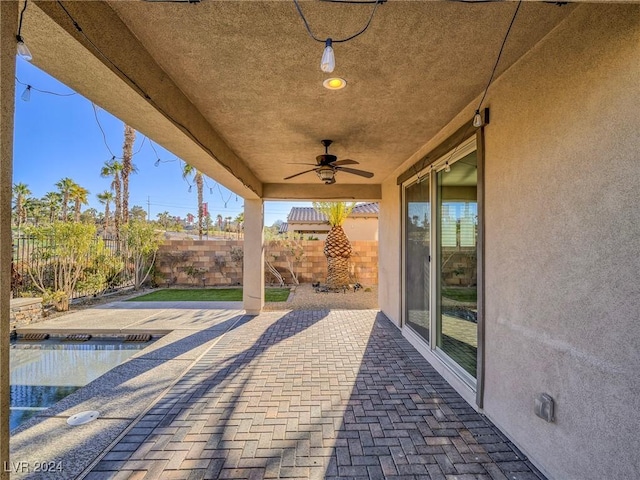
x=253 y=264
x=8 y=29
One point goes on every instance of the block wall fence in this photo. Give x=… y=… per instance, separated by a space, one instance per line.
x=215 y=258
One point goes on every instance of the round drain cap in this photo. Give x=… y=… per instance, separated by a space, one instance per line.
x=83 y=417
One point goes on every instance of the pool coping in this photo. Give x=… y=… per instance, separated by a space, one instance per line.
x=94 y=331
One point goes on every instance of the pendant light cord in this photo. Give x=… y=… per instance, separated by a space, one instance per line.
x=18 y=36
x=364 y=29
x=484 y=95
x=495 y=67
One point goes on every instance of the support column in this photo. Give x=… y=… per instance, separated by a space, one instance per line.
x=8 y=29
x=253 y=270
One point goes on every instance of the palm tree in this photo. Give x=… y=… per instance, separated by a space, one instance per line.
x=138 y=213
x=164 y=219
x=187 y=171
x=65 y=186
x=20 y=193
x=106 y=198
x=113 y=168
x=35 y=209
x=52 y=201
x=337 y=247
x=127 y=169
x=79 y=196
x=90 y=216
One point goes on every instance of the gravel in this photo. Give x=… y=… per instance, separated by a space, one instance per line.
x=304 y=297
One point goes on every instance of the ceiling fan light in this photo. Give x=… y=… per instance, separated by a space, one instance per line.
x=326 y=174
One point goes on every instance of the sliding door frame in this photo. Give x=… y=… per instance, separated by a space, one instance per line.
x=471 y=389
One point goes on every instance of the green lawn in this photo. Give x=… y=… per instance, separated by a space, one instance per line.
x=208 y=295
x=461 y=294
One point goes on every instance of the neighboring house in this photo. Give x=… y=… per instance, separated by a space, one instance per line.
x=362 y=224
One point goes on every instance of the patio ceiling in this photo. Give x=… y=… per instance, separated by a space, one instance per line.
x=235 y=88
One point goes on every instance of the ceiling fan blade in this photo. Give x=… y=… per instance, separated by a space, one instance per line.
x=300 y=163
x=301 y=173
x=346 y=161
x=355 y=171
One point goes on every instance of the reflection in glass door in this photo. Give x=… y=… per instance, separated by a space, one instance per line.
x=457 y=268
x=417 y=255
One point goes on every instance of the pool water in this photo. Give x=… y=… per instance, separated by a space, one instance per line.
x=44 y=372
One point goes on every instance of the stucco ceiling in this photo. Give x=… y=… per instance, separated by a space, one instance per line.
x=251 y=71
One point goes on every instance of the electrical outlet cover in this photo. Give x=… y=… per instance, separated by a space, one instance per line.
x=544 y=407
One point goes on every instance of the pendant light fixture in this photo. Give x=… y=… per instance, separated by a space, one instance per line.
x=477 y=119
x=23 y=50
x=26 y=95
x=328 y=61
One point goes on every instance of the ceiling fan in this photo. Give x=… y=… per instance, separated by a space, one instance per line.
x=328 y=165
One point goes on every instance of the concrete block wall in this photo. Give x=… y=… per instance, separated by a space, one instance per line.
x=25 y=311
x=212 y=256
x=207 y=255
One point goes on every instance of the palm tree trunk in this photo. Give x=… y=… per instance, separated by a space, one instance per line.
x=337 y=249
x=199 y=185
x=106 y=216
x=127 y=167
x=65 y=206
x=118 y=201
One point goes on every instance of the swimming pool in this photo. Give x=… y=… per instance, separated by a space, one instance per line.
x=46 y=371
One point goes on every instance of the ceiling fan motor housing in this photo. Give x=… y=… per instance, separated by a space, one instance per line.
x=328 y=165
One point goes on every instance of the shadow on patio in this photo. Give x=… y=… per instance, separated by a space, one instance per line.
x=313 y=394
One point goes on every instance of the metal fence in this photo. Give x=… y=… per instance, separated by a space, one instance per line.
x=27 y=256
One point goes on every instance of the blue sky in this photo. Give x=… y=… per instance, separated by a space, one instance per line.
x=58 y=136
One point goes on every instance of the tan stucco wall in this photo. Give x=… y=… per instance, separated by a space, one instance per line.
x=562 y=246
x=8 y=28
x=361 y=229
x=389 y=248
x=357 y=229
x=253 y=277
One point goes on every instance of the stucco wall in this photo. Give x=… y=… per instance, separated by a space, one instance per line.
x=562 y=245
x=361 y=229
x=357 y=229
x=389 y=264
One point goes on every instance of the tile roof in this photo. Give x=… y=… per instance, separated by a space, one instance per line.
x=284 y=227
x=309 y=215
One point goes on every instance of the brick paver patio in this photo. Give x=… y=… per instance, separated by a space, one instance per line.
x=318 y=395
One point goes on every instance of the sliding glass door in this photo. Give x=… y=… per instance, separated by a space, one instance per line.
x=457 y=269
x=440 y=223
x=418 y=256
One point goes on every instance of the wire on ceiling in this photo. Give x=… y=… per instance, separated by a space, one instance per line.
x=482 y=99
x=376 y=3
x=146 y=96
